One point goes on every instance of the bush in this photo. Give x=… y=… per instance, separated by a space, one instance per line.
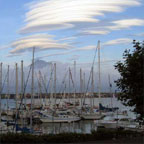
x=105 y=134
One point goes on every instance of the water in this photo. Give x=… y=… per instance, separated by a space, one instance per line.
x=79 y=127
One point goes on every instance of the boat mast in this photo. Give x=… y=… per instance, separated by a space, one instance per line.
x=22 y=84
x=32 y=89
x=81 y=86
x=92 y=89
x=0 y=88
x=84 y=82
x=22 y=90
x=110 y=86
x=99 y=74
x=16 y=97
x=69 y=84
x=51 y=82
x=55 y=84
x=75 y=82
x=65 y=91
x=44 y=82
x=40 y=88
x=7 y=92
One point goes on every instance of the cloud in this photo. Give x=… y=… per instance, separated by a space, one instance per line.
x=138 y=34
x=59 y=14
x=67 y=38
x=14 y=55
x=118 y=41
x=90 y=47
x=4 y=47
x=112 y=26
x=70 y=51
x=55 y=54
x=126 y=23
x=39 y=41
x=74 y=57
x=94 y=32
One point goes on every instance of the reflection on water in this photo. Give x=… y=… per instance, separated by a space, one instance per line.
x=55 y=128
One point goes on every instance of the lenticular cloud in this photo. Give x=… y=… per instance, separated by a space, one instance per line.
x=60 y=14
x=39 y=41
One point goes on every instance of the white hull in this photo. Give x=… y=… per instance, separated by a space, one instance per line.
x=58 y=119
x=119 y=122
x=134 y=128
x=92 y=116
x=106 y=124
x=10 y=113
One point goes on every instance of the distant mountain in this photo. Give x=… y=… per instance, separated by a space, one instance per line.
x=39 y=64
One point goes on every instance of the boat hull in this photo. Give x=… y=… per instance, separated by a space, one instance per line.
x=59 y=120
x=92 y=116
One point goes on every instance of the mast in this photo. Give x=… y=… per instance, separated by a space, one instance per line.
x=0 y=88
x=51 y=82
x=7 y=92
x=32 y=89
x=55 y=83
x=16 y=97
x=84 y=87
x=92 y=89
x=65 y=91
x=44 y=81
x=99 y=74
x=84 y=81
x=40 y=87
x=110 y=86
x=75 y=82
x=81 y=85
x=69 y=84
x=22 y=84
x=22 y=90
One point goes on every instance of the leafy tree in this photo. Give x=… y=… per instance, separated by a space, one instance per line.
x=132 y=78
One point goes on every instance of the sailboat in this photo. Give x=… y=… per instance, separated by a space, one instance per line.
x=91 y=113
x=56 y=115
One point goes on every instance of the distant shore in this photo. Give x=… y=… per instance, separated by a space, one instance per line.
x=61 y=95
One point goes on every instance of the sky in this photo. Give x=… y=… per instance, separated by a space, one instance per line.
x=68 y=30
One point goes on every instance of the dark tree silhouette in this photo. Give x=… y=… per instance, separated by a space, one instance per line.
x=132 y=78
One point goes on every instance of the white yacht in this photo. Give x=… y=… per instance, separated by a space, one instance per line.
x=4 y=128
x=116 y=121
x=91 y=114
x=58 y=117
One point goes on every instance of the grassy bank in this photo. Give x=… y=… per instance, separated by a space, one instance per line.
x=68 y=137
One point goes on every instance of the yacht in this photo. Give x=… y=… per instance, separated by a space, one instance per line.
x=58 y=117
x=116 y=121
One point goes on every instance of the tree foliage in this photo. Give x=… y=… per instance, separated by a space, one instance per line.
x=131 y=78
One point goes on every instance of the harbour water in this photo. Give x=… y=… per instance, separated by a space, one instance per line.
x=83 y=126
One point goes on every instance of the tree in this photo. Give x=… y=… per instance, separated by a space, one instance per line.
x=131 y=78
